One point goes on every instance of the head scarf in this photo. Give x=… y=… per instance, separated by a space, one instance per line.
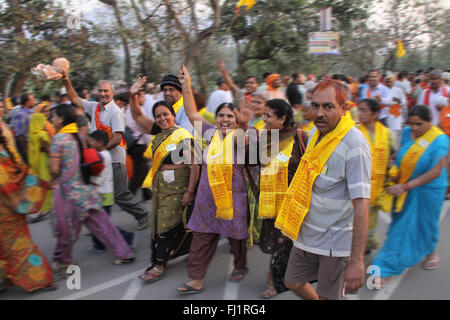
x=48 y=126
x=270 y=79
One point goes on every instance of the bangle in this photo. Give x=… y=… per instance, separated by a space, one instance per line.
x=189 y=192
x=131 y=94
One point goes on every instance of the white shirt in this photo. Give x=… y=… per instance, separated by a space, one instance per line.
x=386 y=98
x=150 y=100
x=218 y=97
x=104 y=183
x=432 y=104
x=404 y=85
x=112 y=117
x=137 y=129
x=395 y=123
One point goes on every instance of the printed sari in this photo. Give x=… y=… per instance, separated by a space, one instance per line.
x=21 y=261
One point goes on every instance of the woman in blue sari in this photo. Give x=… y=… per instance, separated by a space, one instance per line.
x=414 y=232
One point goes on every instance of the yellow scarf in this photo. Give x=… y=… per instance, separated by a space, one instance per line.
x=167 y=146
x=220 y=173
x=70 y=128
x=297 y=201
x=410 y=159
x=274 y=182
x=259 y=124
x=308 y=127
x=178 y=105
x=37 y=159
x=380 y=158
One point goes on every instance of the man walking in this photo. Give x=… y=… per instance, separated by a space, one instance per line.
x=106 y=116
x=325 y=211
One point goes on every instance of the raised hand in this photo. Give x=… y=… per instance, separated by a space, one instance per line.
x=244 y=114
x=137 y=85
x=184 y=77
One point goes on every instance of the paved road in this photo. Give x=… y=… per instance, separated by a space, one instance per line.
x=100 y=279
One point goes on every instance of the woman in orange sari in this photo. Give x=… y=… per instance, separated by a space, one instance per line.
x=21 y=262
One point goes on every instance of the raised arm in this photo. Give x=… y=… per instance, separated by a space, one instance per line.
x=189 y=103
x=233 y=87
x=136 y=111
x=71 y=93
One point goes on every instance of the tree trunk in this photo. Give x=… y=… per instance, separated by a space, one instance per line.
x=18 y=83
x=123 y=37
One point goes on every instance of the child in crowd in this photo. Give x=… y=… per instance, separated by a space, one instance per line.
x=104 y=184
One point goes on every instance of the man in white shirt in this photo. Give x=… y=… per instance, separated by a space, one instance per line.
x=436 y=89
x=221 y=95
x=403 y=82
x=398 y=97
x=106 y=115
x=379 y=92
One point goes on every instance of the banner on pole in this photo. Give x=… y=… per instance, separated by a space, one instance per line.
x=323 y=43
x=325 y=19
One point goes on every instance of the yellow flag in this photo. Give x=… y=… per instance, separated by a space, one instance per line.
x=247 y=3
x=400 y=50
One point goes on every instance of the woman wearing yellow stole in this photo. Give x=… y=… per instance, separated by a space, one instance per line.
x=381 y=142
x=221 y=204
x=172 y=180
x=414 y=232
x=275 y=175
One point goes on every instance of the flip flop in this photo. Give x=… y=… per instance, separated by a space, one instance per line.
x=189 y=289
x=238 y=273
x=268 y=293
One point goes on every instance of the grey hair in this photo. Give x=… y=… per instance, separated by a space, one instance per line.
x=106 y=81
x=437 y=73
x=258 y=94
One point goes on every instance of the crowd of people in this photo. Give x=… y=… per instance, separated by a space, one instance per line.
x=299 y=165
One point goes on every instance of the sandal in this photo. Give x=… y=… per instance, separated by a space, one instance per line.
x=268 y=293
x=188 y=289
x=237 y=276
x=431 y=263
x=148 y=276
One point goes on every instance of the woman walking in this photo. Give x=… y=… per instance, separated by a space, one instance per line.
x=21 y=262
x=75 y=200
x=221 y=204
x=382 y=147
x=38 y=151
x=275 y=178
x=173 y=180
x=414 y=232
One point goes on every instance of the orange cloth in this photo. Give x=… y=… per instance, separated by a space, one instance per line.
x=270 y=79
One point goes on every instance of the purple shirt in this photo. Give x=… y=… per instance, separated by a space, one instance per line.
x=20 y=122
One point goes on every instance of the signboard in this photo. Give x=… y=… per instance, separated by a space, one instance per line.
x=323 y=43
x=325 y=19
